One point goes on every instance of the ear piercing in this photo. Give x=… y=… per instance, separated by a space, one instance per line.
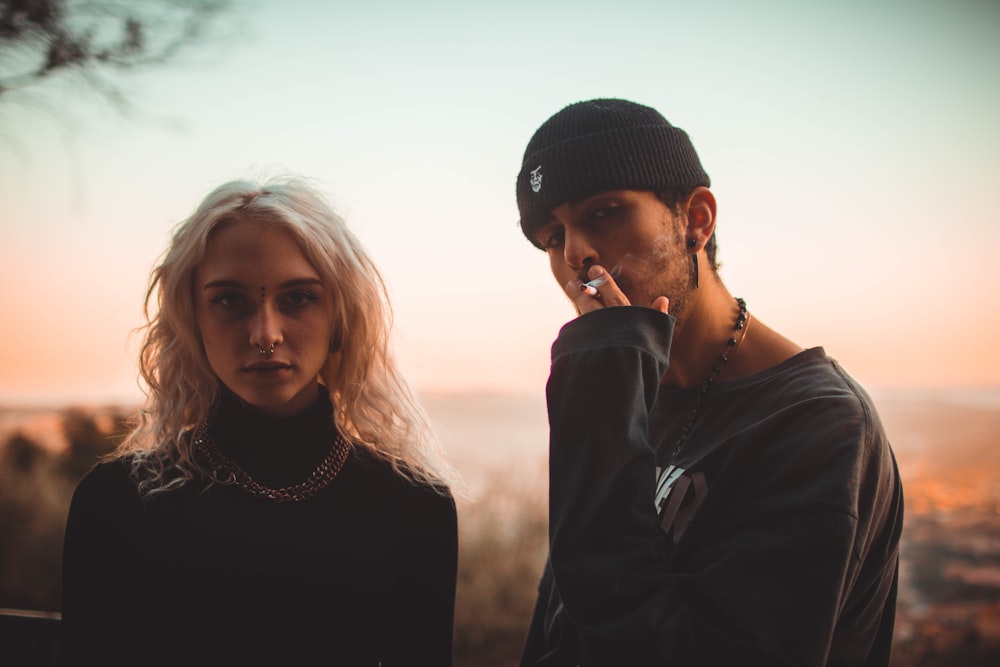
x=691 y=243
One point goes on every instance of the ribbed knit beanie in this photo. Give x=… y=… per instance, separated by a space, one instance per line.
x=597 y=145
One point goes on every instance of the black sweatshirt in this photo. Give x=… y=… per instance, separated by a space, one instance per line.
x=363 y=573
x=772 y=539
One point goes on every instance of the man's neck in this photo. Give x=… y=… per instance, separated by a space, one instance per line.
x=702 y=333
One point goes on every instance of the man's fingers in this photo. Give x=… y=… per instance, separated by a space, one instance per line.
x=599 y=291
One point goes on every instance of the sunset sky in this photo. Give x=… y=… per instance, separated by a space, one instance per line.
x=854 y=150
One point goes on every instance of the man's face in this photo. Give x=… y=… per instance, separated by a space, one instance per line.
x=631 y=234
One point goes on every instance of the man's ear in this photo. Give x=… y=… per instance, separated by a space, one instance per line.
x=700 y=207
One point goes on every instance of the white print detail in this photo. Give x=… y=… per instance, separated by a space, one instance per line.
x=536 y=179
x=664 y=482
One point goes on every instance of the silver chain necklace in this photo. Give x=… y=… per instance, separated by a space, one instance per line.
x=227 y=472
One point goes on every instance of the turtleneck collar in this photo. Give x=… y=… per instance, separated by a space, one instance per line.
x=274 y=451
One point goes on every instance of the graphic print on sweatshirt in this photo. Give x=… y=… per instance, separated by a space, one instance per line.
x=679 y=494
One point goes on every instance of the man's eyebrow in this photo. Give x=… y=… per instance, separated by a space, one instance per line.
x=542 y=226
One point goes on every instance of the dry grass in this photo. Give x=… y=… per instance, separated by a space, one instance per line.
x=503 y=539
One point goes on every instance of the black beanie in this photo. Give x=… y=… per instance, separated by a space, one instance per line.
x=597 y=145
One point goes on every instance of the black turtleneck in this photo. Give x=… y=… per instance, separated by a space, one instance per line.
x=275 y=451
x=361 y=573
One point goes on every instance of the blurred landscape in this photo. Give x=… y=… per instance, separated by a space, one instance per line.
x=945 y=442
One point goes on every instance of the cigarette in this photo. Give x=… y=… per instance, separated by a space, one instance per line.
x=590 y=288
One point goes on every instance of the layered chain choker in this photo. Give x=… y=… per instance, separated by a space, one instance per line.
x=742 y=324
x=224 y=470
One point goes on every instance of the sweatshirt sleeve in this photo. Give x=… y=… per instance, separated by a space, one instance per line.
x=605 y=543
x=763 y=582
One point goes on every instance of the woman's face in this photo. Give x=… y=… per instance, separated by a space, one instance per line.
x=265 y=316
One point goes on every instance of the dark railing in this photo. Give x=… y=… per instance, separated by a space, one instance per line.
x=29 y=638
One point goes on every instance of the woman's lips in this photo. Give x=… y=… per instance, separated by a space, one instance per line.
x=267 y=367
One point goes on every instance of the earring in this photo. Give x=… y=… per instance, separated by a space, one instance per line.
x=691 y=243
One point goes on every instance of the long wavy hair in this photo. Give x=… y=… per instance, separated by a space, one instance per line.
x=372 y=404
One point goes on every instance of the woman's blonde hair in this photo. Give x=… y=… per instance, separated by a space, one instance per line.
x=373 y=405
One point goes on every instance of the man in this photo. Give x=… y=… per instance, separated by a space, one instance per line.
x=717 y=494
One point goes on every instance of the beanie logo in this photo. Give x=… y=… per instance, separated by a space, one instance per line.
x=536 y=179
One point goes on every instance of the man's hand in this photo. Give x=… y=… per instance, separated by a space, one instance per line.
x=601 y=291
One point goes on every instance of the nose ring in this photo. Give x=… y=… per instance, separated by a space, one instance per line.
x=266 y=353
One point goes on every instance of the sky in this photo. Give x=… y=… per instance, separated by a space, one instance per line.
x=853 y=147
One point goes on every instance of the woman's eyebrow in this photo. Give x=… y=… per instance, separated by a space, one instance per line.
x=236 y=284
x=298 y=282
x=224 y=283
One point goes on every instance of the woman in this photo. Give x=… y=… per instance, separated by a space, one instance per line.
x=281 y=499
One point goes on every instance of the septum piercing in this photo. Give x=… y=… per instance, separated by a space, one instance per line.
x=266 y=353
